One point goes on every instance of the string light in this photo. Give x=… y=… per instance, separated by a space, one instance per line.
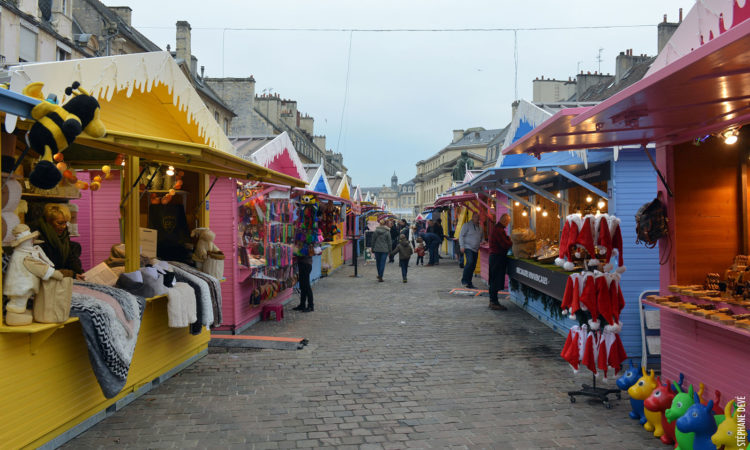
x=170 y=171
x=559 y=194
x=600 y=204
x=544 y=213
x=524 y=213
x=730 y=136
x=538 y=208
x=518 y=204
x=589 y=199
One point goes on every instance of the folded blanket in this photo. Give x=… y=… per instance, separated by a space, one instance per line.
x=110 y=327
x=181 y=310
x=214 y=290
x=204 y=311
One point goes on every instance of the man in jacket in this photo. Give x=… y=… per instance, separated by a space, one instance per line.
x=432 y=241
x=500 y=243
x=381 y=246
x=468 y=242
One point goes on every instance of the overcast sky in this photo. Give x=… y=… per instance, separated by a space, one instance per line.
x=407 y=90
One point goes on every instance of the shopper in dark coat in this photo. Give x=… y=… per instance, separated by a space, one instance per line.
x=500 y=243
x=432 y=241
x=381 y=246
x=394 y=237
x=437 y=228
x=404 y=251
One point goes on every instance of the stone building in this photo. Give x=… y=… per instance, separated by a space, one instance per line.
x=110 y=27
x=268 y=115
x=434 y=174
x=400 y=199
x=33 y=30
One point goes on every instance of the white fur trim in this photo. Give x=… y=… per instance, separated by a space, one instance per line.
x=559 y=262
x=569 y=266
x=620 y=270
x=594 y=324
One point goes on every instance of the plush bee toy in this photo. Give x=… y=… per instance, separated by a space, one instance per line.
x=57 y=127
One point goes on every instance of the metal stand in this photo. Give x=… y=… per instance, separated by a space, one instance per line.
x=593 y=391
x=355 y=250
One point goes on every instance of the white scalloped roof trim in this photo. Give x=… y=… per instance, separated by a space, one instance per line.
x=265 y=155
x=104 y=76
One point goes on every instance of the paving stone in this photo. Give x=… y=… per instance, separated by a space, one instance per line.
x=386 y=366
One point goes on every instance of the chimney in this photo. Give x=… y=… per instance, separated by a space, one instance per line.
x=457 y=135
x=664 y=32
x=182 y=44
x=124 y=12
x=625 y=61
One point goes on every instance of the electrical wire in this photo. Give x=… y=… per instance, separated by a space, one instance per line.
x=346 y=89
x=416 y=30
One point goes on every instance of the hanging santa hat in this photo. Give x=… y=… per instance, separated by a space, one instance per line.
x=604 y=238
x=588 y=300
x=616 y=354
x=585 y=237
x=589 y=353
x=559 y=261
x=571 y=351
x=616 y=239
x=605 y=340
x=603 y=302
x=576 y=222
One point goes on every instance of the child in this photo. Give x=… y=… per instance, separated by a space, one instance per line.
x=420 y=250
x=404 y=253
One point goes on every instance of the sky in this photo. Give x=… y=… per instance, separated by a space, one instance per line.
x=406 y=91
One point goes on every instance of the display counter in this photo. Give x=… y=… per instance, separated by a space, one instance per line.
x=538 y=289
x=712 y=352
x=66 y=404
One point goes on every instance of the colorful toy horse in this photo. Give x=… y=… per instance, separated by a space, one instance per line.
x=659 y=401
x=681 y=402
x=727 y=432
x=629 y=378
x=640 y=391
x=700 y=420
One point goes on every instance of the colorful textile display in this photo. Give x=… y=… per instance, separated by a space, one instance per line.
x=110 y=319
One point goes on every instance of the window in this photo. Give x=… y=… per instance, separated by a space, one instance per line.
x=216 y=116
x=62 y=55
x=226 y=126
x=64 y=10
x=27 y=48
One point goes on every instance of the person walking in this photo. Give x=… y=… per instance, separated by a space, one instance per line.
x=404 y=251
x=500 y=243
x=381 y=246
x=432 y=241
x=394 y=237
x=304 y=268
x=468 y=242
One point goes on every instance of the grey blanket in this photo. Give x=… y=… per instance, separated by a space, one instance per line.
x=110 y=319
x=214 y=300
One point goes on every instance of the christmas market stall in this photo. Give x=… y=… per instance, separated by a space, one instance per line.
x=549 y=196
x=692 y=105
x=257 y=224
x=118 y=302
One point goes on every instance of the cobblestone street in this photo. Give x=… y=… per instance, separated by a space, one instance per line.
x=388 y=365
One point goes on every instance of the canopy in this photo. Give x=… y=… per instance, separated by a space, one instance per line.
x=318 y=181
x=280 y=155
x=150 y=110
x=704 y=92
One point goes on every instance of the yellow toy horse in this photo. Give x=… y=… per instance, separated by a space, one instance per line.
x=641 y=391
x=728 y=433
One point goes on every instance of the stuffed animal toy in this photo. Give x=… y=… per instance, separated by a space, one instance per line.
x=208 y=257
x=28 y=267
x=57 y=127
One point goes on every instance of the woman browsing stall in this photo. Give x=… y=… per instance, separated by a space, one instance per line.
x=53 y=227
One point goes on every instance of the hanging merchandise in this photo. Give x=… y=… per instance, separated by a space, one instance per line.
x=329 y=220
x=589 y=238
x=308 y=228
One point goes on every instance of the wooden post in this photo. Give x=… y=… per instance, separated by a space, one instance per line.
x=744 y=154
x=131 y=215
x=202 y=214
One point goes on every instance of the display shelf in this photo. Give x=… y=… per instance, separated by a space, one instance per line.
x=38 y=332
x=730 y=328
x=48 y=197
x=737 y=309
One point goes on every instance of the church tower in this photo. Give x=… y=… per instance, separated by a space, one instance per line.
x=394 y=182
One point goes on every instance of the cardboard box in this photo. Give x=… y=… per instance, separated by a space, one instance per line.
x=148 y=242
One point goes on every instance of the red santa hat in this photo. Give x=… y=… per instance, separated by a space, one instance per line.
x=571 y=351
x=576 y=222
x=560 y=260
x=604 y=238
x=588 y=299
x=616 y=354
x=589 y=353
x=617 y=240
x=603 y=302
x=586 y=236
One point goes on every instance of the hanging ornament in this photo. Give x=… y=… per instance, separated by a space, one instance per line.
x=61 y=166
x=59 y=157
x=95 y=185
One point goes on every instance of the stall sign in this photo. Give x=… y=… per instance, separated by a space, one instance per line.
x=546 y=281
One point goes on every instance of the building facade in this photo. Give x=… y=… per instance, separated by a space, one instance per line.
x=33 y=31
x=435 y=174
x=400 y=199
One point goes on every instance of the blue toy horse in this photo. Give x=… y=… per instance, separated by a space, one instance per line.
x=629 y=378
x=700 y=420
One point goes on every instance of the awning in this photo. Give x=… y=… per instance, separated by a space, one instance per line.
x=298 y=191
x=190 y=156
x=705 y=92
x=454 y=199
